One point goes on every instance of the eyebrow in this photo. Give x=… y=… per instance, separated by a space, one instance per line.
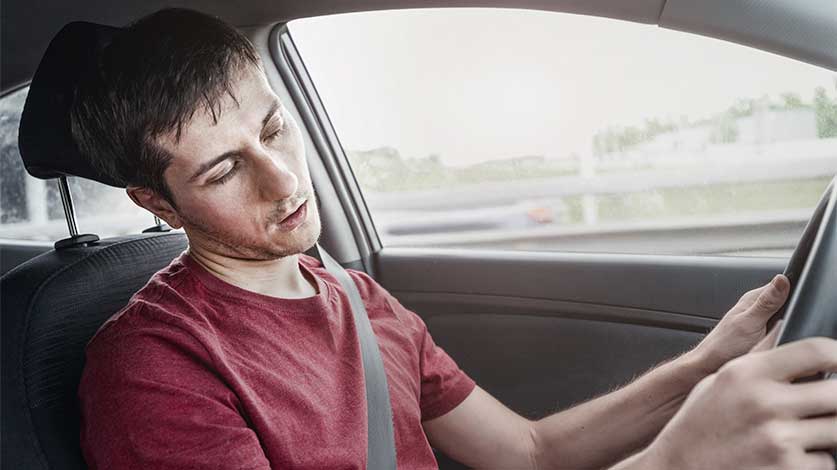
x=220 y=158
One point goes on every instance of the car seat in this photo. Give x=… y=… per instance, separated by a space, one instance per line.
x=52 y=304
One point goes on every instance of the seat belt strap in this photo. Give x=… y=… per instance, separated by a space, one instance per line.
x=380 y=452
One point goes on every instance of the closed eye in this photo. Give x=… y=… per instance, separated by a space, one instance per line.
x=273 y=135
x=229 y=174
x=274 y=128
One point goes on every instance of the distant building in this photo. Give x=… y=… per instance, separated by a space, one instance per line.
x=777 y=126
x=765 y=127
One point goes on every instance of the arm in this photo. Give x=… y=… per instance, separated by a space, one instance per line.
x=483 y=433
x=614 y=426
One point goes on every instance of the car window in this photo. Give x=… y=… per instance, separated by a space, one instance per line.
x=526 y=130
x=31 y=209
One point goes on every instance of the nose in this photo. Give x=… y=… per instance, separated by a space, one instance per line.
x=275 y=179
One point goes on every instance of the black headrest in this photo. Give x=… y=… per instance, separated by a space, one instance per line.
x=46 y=143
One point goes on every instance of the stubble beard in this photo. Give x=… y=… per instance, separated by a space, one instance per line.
x=300 y=240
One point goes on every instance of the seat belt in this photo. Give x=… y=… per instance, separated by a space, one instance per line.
x=380 y=451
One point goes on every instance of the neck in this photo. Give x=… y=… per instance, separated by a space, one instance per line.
x=280 y=277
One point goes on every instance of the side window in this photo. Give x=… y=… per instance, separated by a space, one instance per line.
x=30 y=208
x=526 y=130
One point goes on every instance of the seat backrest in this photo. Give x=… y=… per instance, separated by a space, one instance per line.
x=50 y=307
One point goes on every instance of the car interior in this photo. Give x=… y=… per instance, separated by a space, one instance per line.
x=540 y=331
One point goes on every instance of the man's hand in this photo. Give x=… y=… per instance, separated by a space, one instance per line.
x=743 y=326
x=750 y=415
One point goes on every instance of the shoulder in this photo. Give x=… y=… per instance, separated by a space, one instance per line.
x=167 y=302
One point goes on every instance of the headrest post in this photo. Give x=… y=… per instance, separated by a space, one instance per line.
x=67 y=201
x=159 y=226
x=70 y=213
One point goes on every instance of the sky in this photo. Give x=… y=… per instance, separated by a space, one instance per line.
x=472 y=85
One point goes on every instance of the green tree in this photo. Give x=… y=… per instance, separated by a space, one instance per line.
x=825 y=110
x=724 y=129
x=792 y=101
x=744 y=107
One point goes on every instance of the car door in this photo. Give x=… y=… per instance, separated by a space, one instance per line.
x=584 y=268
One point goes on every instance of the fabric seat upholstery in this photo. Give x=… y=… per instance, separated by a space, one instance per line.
x=51 y=306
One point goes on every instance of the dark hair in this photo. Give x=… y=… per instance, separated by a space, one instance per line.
x=150 y=81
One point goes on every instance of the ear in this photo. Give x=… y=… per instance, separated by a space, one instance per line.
x=149 y=200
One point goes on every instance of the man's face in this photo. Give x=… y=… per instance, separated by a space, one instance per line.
x=236 y=181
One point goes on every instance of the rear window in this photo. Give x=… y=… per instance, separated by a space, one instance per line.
x=31 y=209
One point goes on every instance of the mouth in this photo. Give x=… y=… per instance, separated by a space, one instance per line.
x=296 y=217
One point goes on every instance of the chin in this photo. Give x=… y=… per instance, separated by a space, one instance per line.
x=277 y=245
x=297 y=242
x=310 y=239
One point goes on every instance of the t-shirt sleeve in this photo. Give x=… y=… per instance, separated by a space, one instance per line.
x=444 y=385
x=149 y=399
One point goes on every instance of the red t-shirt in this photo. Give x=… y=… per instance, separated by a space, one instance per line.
x=195 y=373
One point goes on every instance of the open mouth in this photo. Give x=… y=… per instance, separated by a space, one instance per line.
x=295 y=218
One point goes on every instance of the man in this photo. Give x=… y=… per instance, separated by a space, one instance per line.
x=242 y=352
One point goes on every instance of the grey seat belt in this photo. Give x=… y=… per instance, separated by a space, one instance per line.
x=380 y=452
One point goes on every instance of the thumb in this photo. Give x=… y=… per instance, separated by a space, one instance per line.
x=771 y=299
x=769 y=341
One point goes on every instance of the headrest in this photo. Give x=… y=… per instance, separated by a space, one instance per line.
x=45 y=139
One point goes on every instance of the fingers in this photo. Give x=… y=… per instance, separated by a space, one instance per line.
x=816 y=433
x=798 y=359
x=817 y=461
x=770 y=340
x=814 y=399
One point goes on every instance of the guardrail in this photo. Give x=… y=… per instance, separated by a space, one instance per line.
x=764 y=232
x=772 y=233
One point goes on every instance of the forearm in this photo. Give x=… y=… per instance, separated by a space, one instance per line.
x=600 y=432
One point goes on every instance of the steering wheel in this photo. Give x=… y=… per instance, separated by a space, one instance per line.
x=811 y=309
